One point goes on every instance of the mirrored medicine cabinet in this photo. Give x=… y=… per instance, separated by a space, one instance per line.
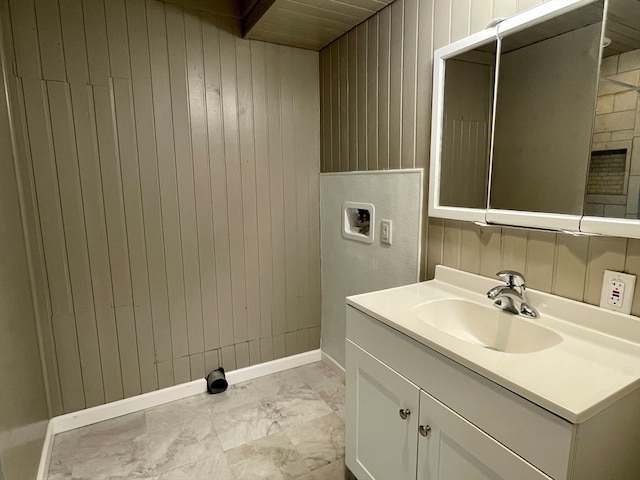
x=535 y=121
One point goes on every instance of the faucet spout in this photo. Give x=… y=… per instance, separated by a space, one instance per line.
x=512 y=297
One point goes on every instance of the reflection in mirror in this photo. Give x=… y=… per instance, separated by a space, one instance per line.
x=468 y=100
x=613 y=186
x=544 y=113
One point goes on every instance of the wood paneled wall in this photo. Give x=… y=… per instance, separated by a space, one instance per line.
x=375 y=114
x=172 y=172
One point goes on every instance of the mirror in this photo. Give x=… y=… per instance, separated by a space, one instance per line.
x=544 y=113
x=613 y=182
x=466 y=128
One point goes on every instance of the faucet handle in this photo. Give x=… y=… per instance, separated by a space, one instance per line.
x=511 y=277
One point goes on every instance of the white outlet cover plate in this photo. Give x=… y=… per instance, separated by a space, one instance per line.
x=629 y=282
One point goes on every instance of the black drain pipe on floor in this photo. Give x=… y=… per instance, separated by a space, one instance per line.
x=216 y=381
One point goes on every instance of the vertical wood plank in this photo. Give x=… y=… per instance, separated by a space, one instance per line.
x=74 y=41
x=303 y=340
x=242 y=355
x=211 y=360
x=570 y=267
x=228 y=358
x=266 y=349
x=50 y=37
x=110 y=171
x=182 y=370
x=460 y=19
x=254 y=352
x=92 y=201
x=234 y=182
x=202 y=180
x=117 y=37
x=514 y=249
x=303 y=139
x=409 y=84
x=384 y=65
x=442 y=23
x=327 y=106
x=423 y=95
x=314 y=338
x=159 y=329
x=470 y=248
x=334 y=62
x=75 y=237
x=44 y=168
x=289 y=187
x=165 y=152
x=343 y=101
x=96 y=33
x=451 y=243
x=480 y=15
x=396 y=62
x=248 y=174
x=361 y=88
x=279 y=347
x=41 y=294
x=352 y=89
x=261 y=139
x=277 y=191
x=371 y=124
x=490 y=251
x=504 y=8
x=196 y=364
x=527 y=4
x=184 y=168
x=540 y=260
x=211 y=50
x=165 y=374
x=605 y=253
x=435 y=245
x=291 y=343
x=25 y=38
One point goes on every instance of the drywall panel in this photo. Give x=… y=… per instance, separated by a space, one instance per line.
x=350 y=267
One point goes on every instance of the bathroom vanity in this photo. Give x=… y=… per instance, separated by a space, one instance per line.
x=442 y=385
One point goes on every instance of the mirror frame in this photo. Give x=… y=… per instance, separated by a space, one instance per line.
x=550 y=221
x=437 y=119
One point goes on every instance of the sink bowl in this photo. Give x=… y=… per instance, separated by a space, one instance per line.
x=486 y=326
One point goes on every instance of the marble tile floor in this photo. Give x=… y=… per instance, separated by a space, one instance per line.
x=289 y=425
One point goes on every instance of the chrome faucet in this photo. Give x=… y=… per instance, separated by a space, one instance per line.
x=512 y=297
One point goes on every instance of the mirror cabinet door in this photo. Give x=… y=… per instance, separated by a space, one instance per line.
x=548 y=76
x=463 y=129
x=613 y=182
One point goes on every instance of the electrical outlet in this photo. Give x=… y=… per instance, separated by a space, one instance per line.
x=617 y=291
x=385 y=235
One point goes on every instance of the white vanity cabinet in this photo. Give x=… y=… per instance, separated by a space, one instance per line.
x=472 y=428
x=390 y=420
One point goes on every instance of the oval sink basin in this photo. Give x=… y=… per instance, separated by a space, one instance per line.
x=486 y=326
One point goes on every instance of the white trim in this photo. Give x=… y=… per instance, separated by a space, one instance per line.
x=45 y=456
x=331 y=362
x=373 y=172
x=274 y=366
x=547 y=221
x=100 y=413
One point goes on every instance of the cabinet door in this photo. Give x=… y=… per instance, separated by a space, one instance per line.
x=454 y=449
x=380 y=444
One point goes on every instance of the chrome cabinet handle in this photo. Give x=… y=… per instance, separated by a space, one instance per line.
x=424 y=430
x=404 y=413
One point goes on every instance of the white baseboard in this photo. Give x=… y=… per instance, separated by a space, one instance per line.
x=331 y=362
x=100 y=413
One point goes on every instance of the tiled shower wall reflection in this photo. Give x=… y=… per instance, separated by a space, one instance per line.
x=376 y=102
x=170 y=171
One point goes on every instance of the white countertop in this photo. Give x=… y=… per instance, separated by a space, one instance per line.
x=596 y=363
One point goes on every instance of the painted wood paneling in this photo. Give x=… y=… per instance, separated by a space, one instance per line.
x=176 y=208
x=555 y=263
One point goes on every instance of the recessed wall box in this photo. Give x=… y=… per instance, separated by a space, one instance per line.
x=358 y=220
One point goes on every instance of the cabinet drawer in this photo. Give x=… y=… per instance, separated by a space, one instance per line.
x=540 y=437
